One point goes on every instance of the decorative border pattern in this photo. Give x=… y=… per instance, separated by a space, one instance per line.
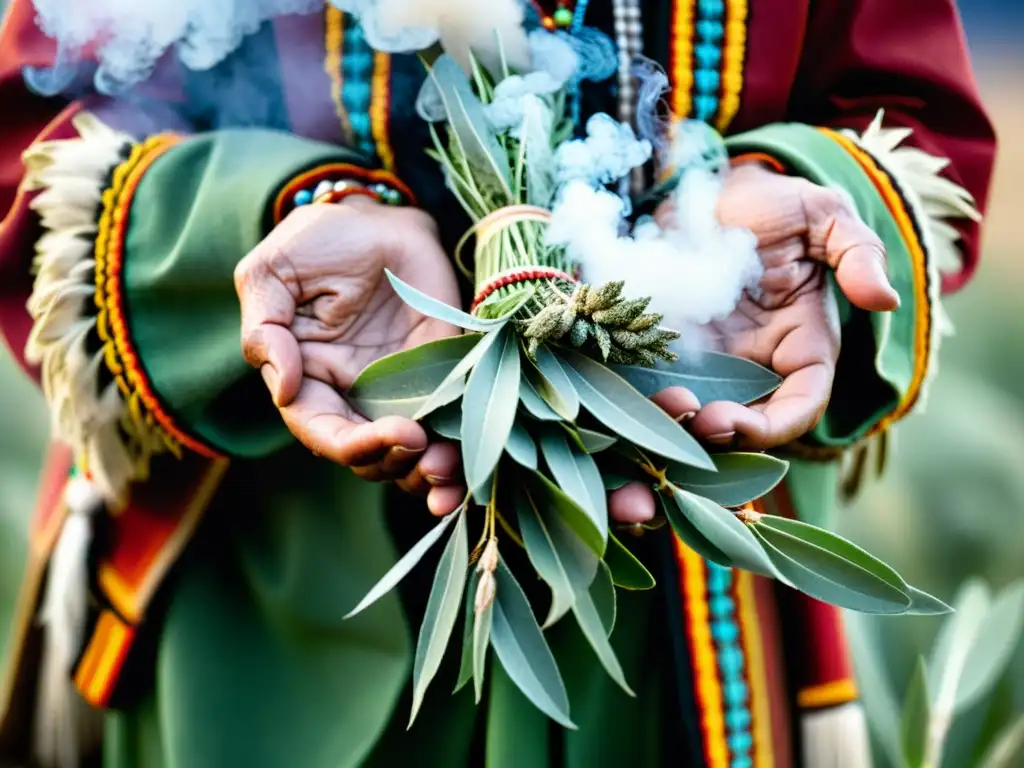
x=103 y=659
x=380 y=109
x=144 y=407
x=284 y=201
x=707 y=54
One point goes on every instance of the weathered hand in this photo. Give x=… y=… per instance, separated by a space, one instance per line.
x=802 y=229
x=317 y=308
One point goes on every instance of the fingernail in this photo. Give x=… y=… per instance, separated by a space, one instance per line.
x=722 y=438
x=401 y=452
x=437 y=479
x=688 y=416
x=270 y=378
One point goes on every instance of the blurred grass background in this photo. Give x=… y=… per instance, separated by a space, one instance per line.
x=951 y=503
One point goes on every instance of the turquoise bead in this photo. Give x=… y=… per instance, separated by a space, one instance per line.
x=737 y=719
x=721 y=606
x=711 y=31
x=303 y=197
x=705 y=106
x=735 y=693
x=742 y=761
x=740 y=742
x=725 y=632
x=711 y=9
x=707 y=80
x=708 y=55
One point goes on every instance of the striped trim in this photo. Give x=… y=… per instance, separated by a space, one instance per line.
x=827 y=694
x=751 y=641
x=707 y=54
x=708 y=686
x=334 y=45
x=380 y=109
x=103 y=659
x=284 y=201
x=910 y=233
x=144 y=407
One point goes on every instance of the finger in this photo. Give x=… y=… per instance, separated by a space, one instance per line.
x=267 y=309
x=678 y=402
x=839 y=237
x=791 y=412
x=439 y=467
x=394 y=463
x=633 y=503
x=443 y=501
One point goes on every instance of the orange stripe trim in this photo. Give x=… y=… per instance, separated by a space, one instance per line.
x=922 y=333
x=693 y=584
x=380 y=109
x=143 y=404
x=681 y=57
x=734 y=54
x=759 y=157
x=757 y=678
x=828 y=694
x=103 y=659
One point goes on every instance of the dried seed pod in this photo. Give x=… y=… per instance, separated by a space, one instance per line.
x=485 y=592
x=579 y=298
x=604 y=341
x=565 y=321
x=644 y=322
x=580 y=332
x=628 y=339
x=489 y=558
x=623 y=313
x=604 y=297
x=546 y=321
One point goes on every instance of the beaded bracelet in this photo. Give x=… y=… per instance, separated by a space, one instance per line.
x=334 y=182
x=335 y=192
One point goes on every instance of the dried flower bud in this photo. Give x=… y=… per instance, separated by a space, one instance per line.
x=565 y=321
x=604 y=297
x=489 y=559
x=546 y=321
x=579 y=298
x=485 y=592
x=580 y=332
x=644 y=322
x=604 y=341
x=623 y=313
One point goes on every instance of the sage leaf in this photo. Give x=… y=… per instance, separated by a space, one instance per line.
x=625 y=569
x=613 y=401
x=408 y=561
x=1007 y=749
x=438 y=310
x=740 y=478
x=521 y=447
x=549 y=495
x=555 y=386
x=923 y=604
x=602 y=592
x=578 y=476
x=455 y=381
x=954 y=643
x=916 y=717
x=838 y=546
x=710 y=376
x=565 y=563
x=613 y=481
x=726 y=532
x=690 y=535
x=590 y=441
x=535 y=405
x=447 y=421
x=997 y=638
x=489 y=409
x=399 y=384
x=469 y=619
x=524 y=653
x=828 y=577
x=442 y=611
x=504 y=306
x=595 y=630
x=481 y=641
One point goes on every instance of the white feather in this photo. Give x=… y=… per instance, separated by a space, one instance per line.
x=836 y=737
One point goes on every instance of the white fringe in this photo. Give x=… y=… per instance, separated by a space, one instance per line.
x=66 y=727
x=932 y=200
x=72 y=174
x=836 y=737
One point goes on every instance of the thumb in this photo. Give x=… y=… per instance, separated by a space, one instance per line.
x=854 y=252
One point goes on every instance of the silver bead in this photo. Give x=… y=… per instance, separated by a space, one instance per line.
x=322 y=189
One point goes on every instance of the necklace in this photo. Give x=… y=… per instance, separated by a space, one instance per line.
x=563 y=16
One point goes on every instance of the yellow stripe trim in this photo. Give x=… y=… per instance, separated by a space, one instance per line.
x=113 y=649
x=705 y=662
x=734 y=54
x=922 y=322
x=757 y=677
x=827 y=694
x=681 y=56
x=380 y=109
x=334 y=41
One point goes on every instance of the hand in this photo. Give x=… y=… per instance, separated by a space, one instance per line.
x=802 y=230
x=317 y=309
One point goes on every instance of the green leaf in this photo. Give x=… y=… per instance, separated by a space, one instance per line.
x=875 y=686
x=1007 y=750
x=438 y=310
x=631 y=415
x=916 y=717
x=602 y=592
x=399 y=384
x=466 y=666
x=489 y=409
x=690 y=534
x=613 y=481
x=626 y=570
x=447 y=421
x=554 y=386
x=442 y=611
x=997 y=638
x=710 y=376
x=535 y=404
x=741 y=478
x=401 y=569
x=549 y=496
x=838 y=546
x=590 y=441
x=503 y=306
x=481 y=641
x=923 y=604
x=828 y=577
x=594 y=628
x=456 y=379
x=726 y=532
x=953 y=646
x=521 y=448
x=524 y=653
x=578 y=476
x=560 y=556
